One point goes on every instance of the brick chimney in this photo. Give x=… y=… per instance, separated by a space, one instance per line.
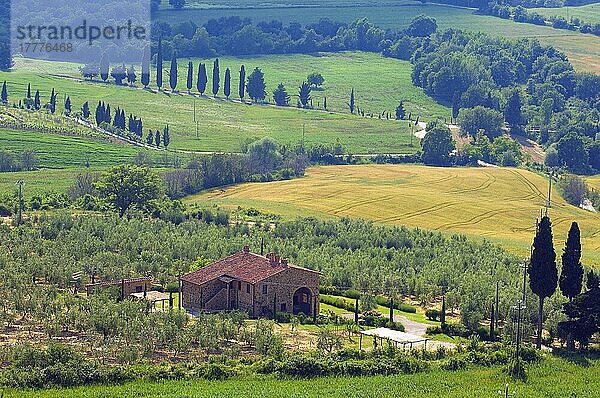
x=284 y=262
x=246 y=249
x=271 y=257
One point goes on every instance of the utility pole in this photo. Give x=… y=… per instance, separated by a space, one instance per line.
x=548 y=202
x=524 y=266
x=497 y=313
x=179 y=288
x=519 y=307
x=20 y=209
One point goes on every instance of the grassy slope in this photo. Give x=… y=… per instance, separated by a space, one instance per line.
x=59 y=151
x=589 y=13
x=379 y=82
x=225 y=125
x=500 y=204
x=553 y=377
x=581 y=49
x=40 y=181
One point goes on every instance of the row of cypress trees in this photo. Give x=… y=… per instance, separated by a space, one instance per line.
x=544 y=278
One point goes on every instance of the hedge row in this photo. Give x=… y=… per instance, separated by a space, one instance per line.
x=354 y=294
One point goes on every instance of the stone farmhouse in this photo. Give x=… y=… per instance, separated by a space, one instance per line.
x=258 y=285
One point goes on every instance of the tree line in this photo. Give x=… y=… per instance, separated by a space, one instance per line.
x=520 y=14
x=130 y=127
x=529 y=87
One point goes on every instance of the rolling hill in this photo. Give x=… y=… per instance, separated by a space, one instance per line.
x=224 y=125
x=499 y=204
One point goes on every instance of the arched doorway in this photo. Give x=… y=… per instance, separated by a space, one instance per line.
x=303 y=301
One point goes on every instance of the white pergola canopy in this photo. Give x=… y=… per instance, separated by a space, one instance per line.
x=394 y=335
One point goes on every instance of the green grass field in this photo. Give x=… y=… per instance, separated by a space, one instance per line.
x=379 y=82
x=589 y=13
x=499 y=204
x=581 y=49
x=553 y=377
x=40 y=181
x=56 y=151
x=225 y=125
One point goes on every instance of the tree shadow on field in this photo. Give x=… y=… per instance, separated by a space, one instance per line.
x=581 y=358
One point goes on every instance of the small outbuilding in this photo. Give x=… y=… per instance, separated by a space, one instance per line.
x=258 y=285
x=126 y=286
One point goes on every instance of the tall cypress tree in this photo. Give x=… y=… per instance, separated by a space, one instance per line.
x=202 y=79
x=104 y=66
x=85 y=110
x=36 y=100
x=159 y=66
x=52 y=101
x=227 y=83
x=68 y=105
x=190 y=76
x=304 y=94
x=166 y=139
x=131 y=75
x=4 y=94
x=173 y=73
x=455 y=105
x=400 y=111
x=100 y=113
x=145 y=79
x=150 y=138
x=28 y=90
x=216 y=79
x=157 y=138
x=543 y=275
x=512 y=111
x=242 y=84
x=351 y=103
x=571 y=275
x=107 y=114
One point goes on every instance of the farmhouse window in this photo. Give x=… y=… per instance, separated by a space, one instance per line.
x=264 y=289
x=247 y=288
x=239 y=285
x=139 y=289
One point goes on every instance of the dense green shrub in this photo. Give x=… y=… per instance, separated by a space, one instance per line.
x=395 y=326
x=432 y=314
x=283 y=317
x=398 y=305
x=454 y=364
x=302 y=366
x=376 y=321
x=434 y=330
x=455 y=329
x=338 y=302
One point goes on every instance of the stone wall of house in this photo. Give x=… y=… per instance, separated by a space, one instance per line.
x=281 y=288
x=249 y=297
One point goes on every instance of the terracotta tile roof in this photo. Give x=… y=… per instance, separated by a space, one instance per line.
x=243 y=266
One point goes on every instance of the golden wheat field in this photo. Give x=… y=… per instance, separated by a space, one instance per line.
x=500 y=204
x=594 y=182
